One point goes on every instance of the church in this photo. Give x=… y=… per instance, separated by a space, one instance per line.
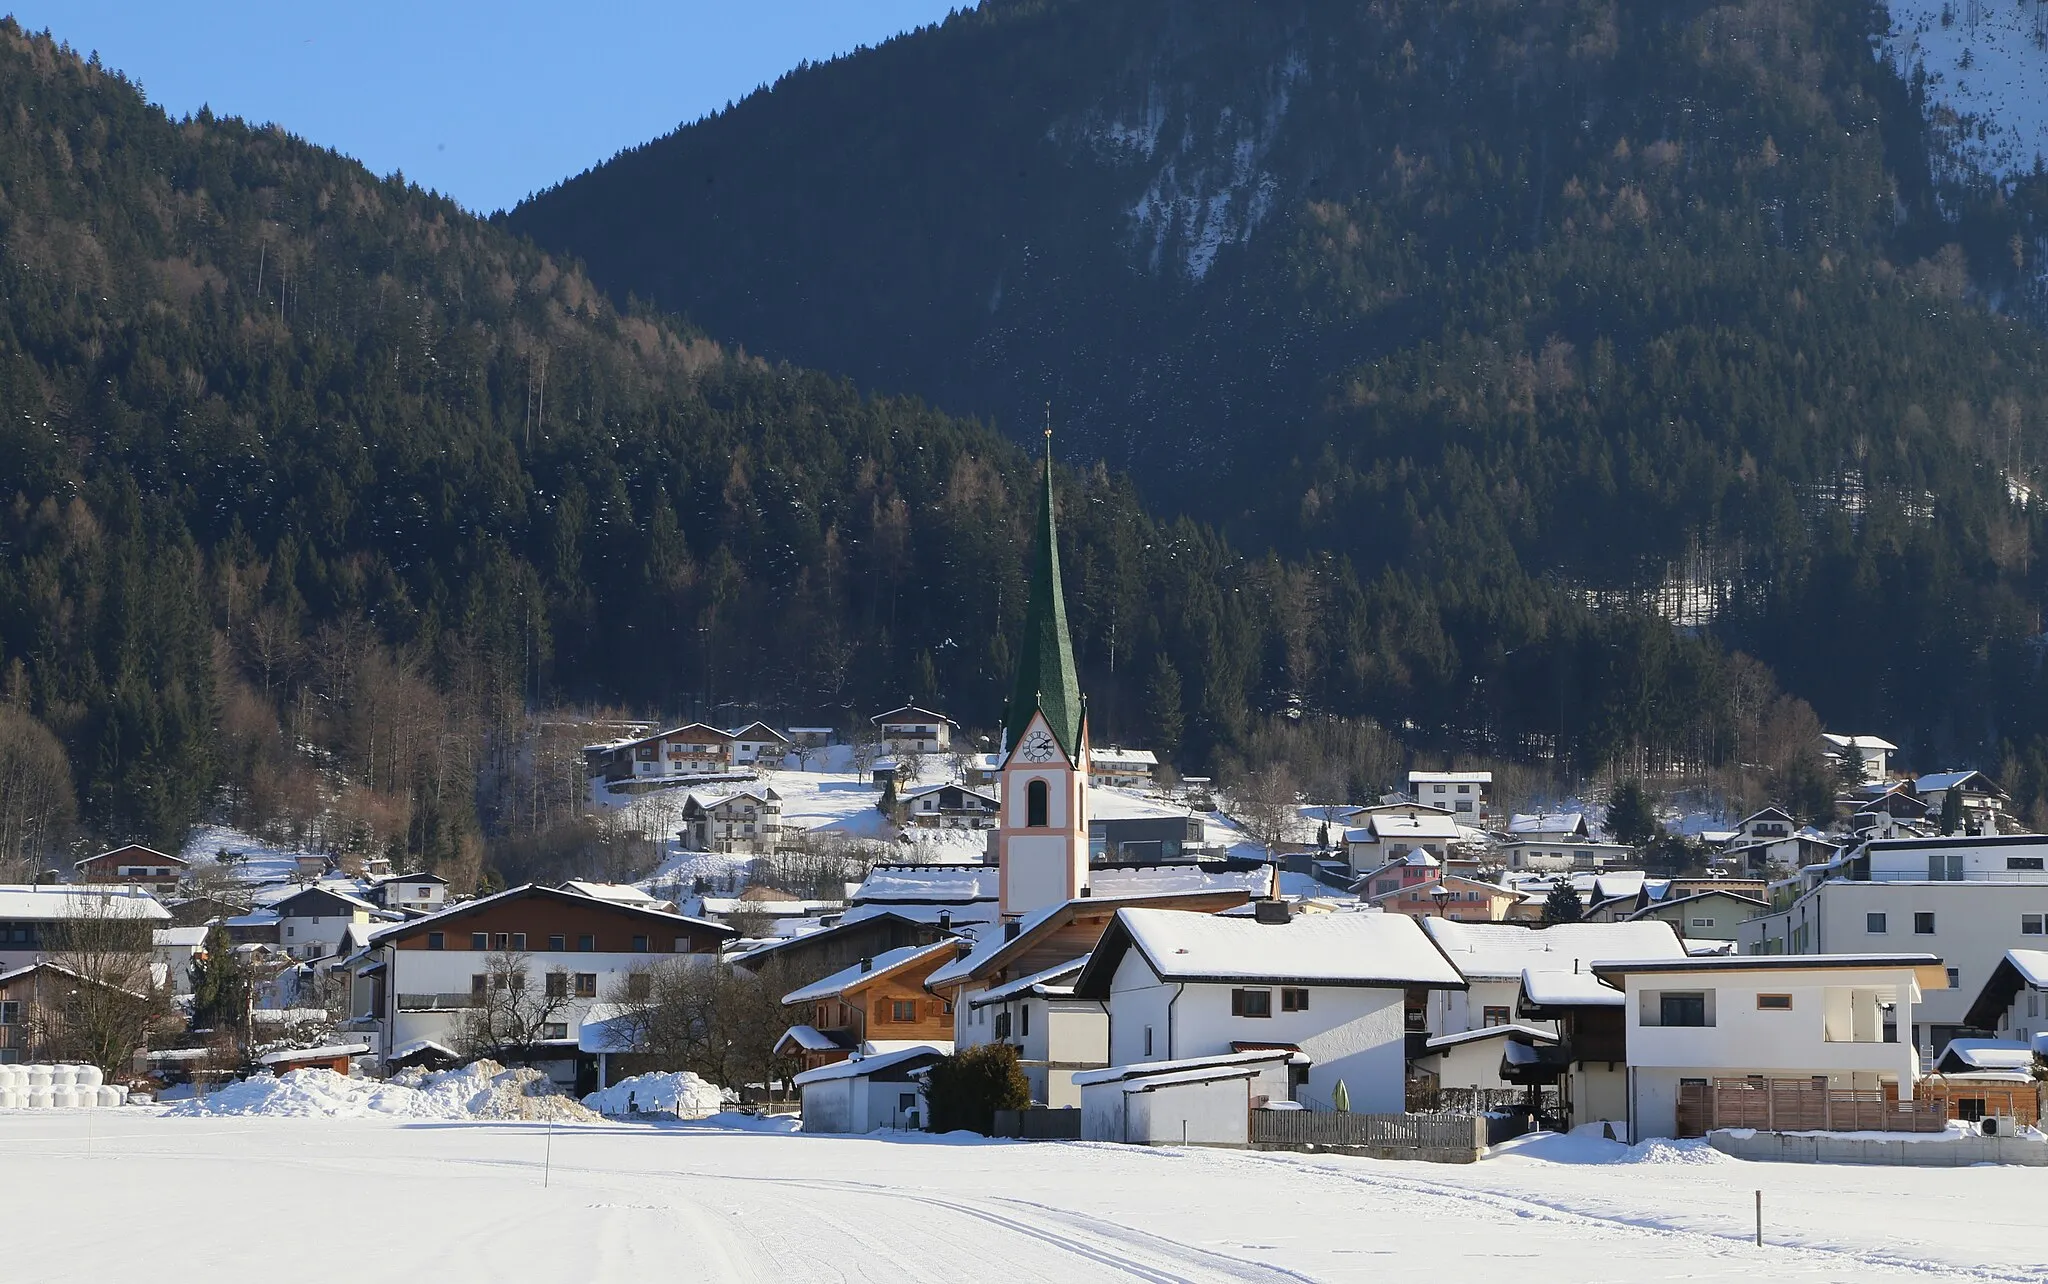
x=1041 y=838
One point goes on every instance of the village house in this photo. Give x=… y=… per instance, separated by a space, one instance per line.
x=1552 y=855
x=33 y=1005
x=1122 y=768
x=861 y=1095
x=1714 y=915
x=857 y=935
x=1449 y=896
x=1057 y=1036
x=1462 y=793
x=1980 y=801
x=911 y=729
x=33 y=917
x=410 y=893
x=1966 y=899
x=1332 y=987
x=758 y=744
x=1874 y=754
x=132 y=865
x=417 y=980
x=1385 y=836
x=747 y=821
x=1552 y=827
x=877 y=1005
x=1588 y=1065
x=1192 y=1101
x=1493 y=959
x=1793 y=1043
x=949 y=806
x=637 y=764
x=2013 y=1001
x=174 y=950
x=313 y=923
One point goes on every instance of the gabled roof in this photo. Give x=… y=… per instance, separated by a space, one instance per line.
x=2018 y=970
x=1860 y=742
x=747 y=733
x=51 y=902
x=1965 y=1056
x=151 y=852
x=534 y=891
x=1047 y=680
x=1942 y=781
x=312 y=896
x=48 y=966
x=994 y=952
x=912 y=713
x=1422 y=822
x=1768 y=813
x=929 y=884
x=1504 y=951
x=1246 y=1062
x=1547 y=822
x=882 y=966
x=1355 y=949
x=1450 y=777
x=1545 y=990
x=1442 y=1041
x=1747 y=902
x=1037 y=981
x=922 y=790
x=849 y=925
x=1455 y=880
x=896 y=1063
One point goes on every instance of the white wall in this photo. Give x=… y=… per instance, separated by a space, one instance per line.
x=1139 y=1001
x=828 y=1106
x=1215 y=1113
x=1745 y=1040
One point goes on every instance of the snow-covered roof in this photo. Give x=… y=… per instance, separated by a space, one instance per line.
x=1503 y=951
x=1110 y=756
x=326 y=1053
x=179 y=938
x=413 y=1047
x=1548 y=988
x=857 y=1067
x=54 y=903
x=1170 y=880
x=1988 y=1054
x=1860 y=742
x=1621 y=882
x=1490 y=1032
x=1121 y=804
x=911 y=713
x=1037 y=981
x=1946 y=780
x=881 y=965
x=1329 y=949
x=1549 y=822
x=1391 y=826
x=1164 y=1069
x=810 y=1039
x=624 y=893
x=930 y=884
x=1450 y=777
x=2032 y=965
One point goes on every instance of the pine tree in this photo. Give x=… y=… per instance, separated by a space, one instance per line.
x=222 y=985
x=1952 y=811
x=1631 y=818
x=1163 y=705
x=1563 y=904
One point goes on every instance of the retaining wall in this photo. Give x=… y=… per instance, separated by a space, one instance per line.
x=1949 y=1152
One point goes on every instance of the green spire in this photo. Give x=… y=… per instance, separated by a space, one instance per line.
x=1046 y=677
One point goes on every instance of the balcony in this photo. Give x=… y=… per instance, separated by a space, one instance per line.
x=435 y=1002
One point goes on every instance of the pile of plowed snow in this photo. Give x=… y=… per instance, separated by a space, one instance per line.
x=682 y=1093
x=480 y=1090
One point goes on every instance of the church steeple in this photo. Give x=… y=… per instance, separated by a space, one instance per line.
x=1047 y=681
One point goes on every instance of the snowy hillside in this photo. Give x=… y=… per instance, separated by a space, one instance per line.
x=1987 y=77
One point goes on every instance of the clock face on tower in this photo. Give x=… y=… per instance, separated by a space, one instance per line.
x=1038 y=747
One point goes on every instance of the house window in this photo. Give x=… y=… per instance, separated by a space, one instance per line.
x=1955 y=978
x=586 y=943
x=1037 y=796
x=558 y=944
x=639 y=986
x=1002 y=1025
x=2025 y=862
x=1024 y=1019
x=558 y=985
x=1874 y=924
x=1774 y=1003
x=554 y=1030
x=1923 y=922
x=1682 y=1008
x=903 y=1011
x=586 y=985
x=1251 y=1003
x=437 y=941
x=906 y=1101
x=1464 y=789
x=479 y=941
x=478 y=983
x=1295 y=1000
x=10 y=1012
x=1493 y=1016
x=682 y=945
x=639 y=945
x=2033 y=1001
x=503 y=941
x=519 y=941
x=1703 y=922
x=1386 y=886
x=2030 y=925
x=1148 y=1040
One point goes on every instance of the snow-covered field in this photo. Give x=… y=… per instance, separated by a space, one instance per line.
x=477 y=1201
x=1988 y=65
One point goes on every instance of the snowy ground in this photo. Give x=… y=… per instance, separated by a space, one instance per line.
x=637 y=1201
x=1988 y=65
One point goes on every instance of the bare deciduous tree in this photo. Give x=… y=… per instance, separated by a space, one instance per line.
x=37 y=807
x=105 y=1004
x=511 y=1009
x=695 y=1013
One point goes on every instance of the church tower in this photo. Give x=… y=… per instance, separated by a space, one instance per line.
x=1041 y=841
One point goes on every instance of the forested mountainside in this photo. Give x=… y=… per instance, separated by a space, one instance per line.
x=317 y=493
x=1512 y=304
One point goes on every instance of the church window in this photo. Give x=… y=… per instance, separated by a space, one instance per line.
x=1036 y=804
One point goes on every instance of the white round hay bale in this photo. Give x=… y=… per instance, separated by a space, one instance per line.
x=63 y=1097
x=38 y=1077
x=110 y=1096
x=13 y=1076
x=63 y=1076
x=90 y=1077
x=37 y=1099
x=10 y=1098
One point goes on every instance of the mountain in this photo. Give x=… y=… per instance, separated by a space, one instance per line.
x=1683 y=308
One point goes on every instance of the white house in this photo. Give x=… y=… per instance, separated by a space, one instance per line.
x=747 y=821
x=950 y=806
x=2013 y=1002
x=1765 y=826
x=758 y=743
x=32 y=916
x=911 y=729
x=174 y=948
x=1056 y=1034
x=1555 y=855
x=1331 y=986
x=312 y=924
x=1386 y=836
x=1698 y=1028
x=1126 y=768
x=1966 y=899
x=414 y=893
x=1493 y=958
x=1462 y=793
x=1982 y=802
x=861 y=1095
x=1875 y=754
x=1548 y=827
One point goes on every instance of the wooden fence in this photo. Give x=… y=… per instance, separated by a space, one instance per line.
x=1038 y=1124
x=1803 y=1105
x=1451 y=1138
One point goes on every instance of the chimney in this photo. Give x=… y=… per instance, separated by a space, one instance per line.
x=1087 y=891
x=1271 y=910
x=1010 y=928
x=945 y=920
x=867 y=965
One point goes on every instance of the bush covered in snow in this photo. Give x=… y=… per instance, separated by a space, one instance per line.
x=682 y=1093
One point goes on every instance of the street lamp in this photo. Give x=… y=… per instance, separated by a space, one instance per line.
x=1443 y=896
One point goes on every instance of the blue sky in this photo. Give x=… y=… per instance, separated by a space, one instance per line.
x=482 y=101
